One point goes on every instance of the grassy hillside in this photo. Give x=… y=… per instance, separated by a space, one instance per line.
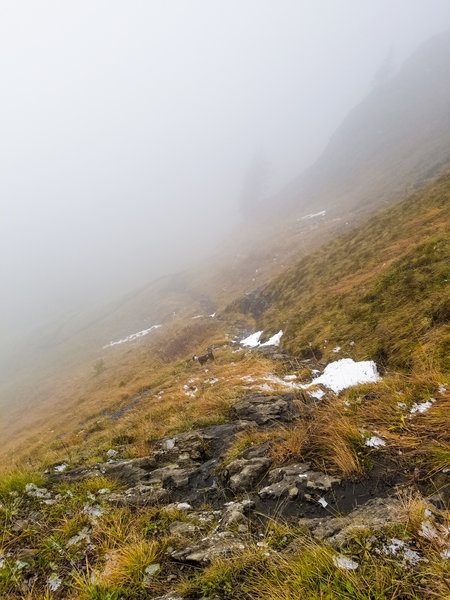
x=77 y=521
x=381 y=291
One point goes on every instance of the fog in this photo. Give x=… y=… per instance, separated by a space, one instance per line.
x=127 y=127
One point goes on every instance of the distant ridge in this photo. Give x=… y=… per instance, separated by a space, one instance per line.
x=399 y=133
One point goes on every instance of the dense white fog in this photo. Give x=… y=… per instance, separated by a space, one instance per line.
x=127 y=128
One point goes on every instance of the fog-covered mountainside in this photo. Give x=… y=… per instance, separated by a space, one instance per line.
x=303 y=451
x=395 y=139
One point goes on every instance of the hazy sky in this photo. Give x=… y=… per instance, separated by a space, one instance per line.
x=126 y=127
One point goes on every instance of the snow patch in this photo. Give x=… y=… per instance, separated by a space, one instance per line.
x=274 y=340
x=345 y=373
x=337 y=349
x=322 y=502
x=60 y=468
x=375 y=442
x=133 y=336
x=422 y=406
x=252 y=340
x=322 y=213
x=317 y=394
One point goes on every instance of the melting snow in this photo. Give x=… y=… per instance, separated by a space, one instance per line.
x=345 y=373
x=394 y=546
x=133 y=336
x=61 y=468
x=422 y=406
x=274 y=340
x=322 y=213
x=375 y=442
x=343 y=562
x=252 y=340
x=289 y=377
x=411 y=556
x=318 y=394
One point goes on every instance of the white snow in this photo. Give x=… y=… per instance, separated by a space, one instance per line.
x=322 y=213
x=318 y=394
x=337 y=349
x=343 y=562
x=375 y=442
x=252 y=340
x=422 y=406
x=345 y=373
x=322 y=502
x=393 y=547
x=274 y=340
x=61 y=468
x=133 y=336
x=277 y=381
x=289 y=377
x=411 y=556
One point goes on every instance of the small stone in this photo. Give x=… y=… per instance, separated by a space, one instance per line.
x=343 y=562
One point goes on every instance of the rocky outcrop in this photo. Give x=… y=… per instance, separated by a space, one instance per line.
x=264 y=410
x=374 y=515
x=188 y=470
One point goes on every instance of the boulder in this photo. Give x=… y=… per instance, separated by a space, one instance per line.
x=217 y=545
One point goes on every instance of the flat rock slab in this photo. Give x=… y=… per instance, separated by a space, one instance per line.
x=264 y=410
x=218 y=545
x=375 y=515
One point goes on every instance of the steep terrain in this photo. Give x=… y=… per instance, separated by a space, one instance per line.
x=309 y=455
x=397 y=138
x=266 y=472
x=394 y=141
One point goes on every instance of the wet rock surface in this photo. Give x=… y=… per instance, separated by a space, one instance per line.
x=188 y=472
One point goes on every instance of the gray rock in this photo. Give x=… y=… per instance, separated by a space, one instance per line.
x=140 y=495
x=320 y=481
x=214 y=546
x=375 y=515
x=290 y=480
x=266 y=409
x=235 y=515
x=182 y=529
x=243 y=474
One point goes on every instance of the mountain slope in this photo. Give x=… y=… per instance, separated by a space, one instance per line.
x=382 y=287
x=398 y=137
